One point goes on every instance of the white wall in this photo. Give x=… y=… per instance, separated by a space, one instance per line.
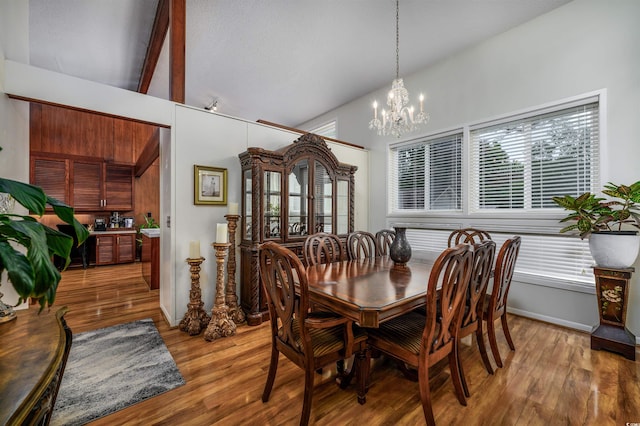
x=14 y=115
x=583 y=46
x=215 y=140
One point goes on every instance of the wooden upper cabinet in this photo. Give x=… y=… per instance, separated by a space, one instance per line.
x=52 y=175
x=119 y=192
x=86 y=185
x=66 y=131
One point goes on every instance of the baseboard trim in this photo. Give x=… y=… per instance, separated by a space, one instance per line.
x=556 y=321
x=552 y=320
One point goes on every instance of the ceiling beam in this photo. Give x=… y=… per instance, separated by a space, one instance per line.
x=177 y=23
x=149 y=153
x=158 y=34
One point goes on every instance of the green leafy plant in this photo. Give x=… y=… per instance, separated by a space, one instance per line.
x=33 y=273
x=590 y=213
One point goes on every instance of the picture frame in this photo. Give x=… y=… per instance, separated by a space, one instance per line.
x=210 y=185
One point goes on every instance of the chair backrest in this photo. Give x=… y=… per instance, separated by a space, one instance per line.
x=483 y=254
x=505 y=265
x=452 y=269
x=384 y=238
x=322 y=248
x=361 y=244
x=280 y=270
x=467 y=236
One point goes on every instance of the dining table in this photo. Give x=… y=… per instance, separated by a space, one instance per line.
x=369 y=291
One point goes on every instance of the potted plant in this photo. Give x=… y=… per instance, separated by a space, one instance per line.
x=33 y=273
x=607 y=223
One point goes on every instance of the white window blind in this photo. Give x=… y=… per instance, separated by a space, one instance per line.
x=426 y=175
x=542 y=257
x=521 y=163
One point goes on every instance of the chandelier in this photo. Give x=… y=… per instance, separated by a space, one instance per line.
x=399 y=118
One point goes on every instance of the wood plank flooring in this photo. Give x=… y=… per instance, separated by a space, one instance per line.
x=552 y=378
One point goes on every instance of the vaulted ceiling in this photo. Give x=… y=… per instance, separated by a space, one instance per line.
x=285 y=61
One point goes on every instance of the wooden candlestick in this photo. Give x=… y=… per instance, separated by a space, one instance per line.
x=196 y=319
x=220 y=325
x=231 y=298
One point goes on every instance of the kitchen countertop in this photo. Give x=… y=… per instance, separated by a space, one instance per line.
x=151 y=232
x=114 y=231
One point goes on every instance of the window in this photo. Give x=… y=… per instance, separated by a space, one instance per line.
x=518 y=164
x=427 y=175
x=327 y=129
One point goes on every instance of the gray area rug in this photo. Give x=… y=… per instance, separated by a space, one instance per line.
x=112 y=368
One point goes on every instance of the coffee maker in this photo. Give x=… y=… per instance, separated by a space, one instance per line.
x=100 y=224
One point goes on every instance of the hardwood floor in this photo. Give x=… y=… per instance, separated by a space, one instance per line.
x=553 y=377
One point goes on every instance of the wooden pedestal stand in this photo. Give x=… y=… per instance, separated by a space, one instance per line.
x=612 y=291
x=196 y=319
x=220 y=325
x=235 y=312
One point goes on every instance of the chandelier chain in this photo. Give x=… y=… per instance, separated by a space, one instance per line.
x=397 y=39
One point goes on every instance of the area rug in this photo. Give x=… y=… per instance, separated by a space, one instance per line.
x=112 y=368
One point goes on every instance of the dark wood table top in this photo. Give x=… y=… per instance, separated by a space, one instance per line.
x=369 y=291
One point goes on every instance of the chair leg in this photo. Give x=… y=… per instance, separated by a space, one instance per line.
x=308 y=393
x=463 y=380
x=425 y=396
x=491 y=329
x=482 y=348
x=505 y=329
x=273 y=367
x=456 y=378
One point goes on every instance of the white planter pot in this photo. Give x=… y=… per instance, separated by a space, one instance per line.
x=615 y=249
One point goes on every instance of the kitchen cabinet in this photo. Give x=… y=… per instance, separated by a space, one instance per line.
x=86 y=184
x=52 y=175
x=151 y=258
x=112 y=247
x=288 y=194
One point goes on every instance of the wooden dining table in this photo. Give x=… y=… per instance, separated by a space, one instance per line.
x=369 y=291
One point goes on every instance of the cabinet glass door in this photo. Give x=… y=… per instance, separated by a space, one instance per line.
x=298 y=192
x=272 y=197
x=248 y=196
x=323 y=199
x=342 y=207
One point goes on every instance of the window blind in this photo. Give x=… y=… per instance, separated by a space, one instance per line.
x=541 y=257
x=426 y=175
x=520 y=164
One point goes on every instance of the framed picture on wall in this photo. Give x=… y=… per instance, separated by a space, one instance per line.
x=210 y=184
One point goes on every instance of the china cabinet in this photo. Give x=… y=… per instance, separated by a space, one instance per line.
x=288 y=194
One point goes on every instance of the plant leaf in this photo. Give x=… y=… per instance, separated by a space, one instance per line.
x=29 y=196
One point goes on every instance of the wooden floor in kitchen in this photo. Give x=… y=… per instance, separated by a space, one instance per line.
x=552 y=378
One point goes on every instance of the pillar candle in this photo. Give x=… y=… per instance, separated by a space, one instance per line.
x=233 y=208
x=194 y=250
x=222 y=235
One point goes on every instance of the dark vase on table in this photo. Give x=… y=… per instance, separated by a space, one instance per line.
x=400 y=250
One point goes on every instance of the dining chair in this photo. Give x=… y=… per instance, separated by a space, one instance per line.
x=495 y=304
x=467 y=236
x=421 y=341
x=471 y=322
x=309 y=342
x=361 y=244
x=322 y=248
x=384 y=238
